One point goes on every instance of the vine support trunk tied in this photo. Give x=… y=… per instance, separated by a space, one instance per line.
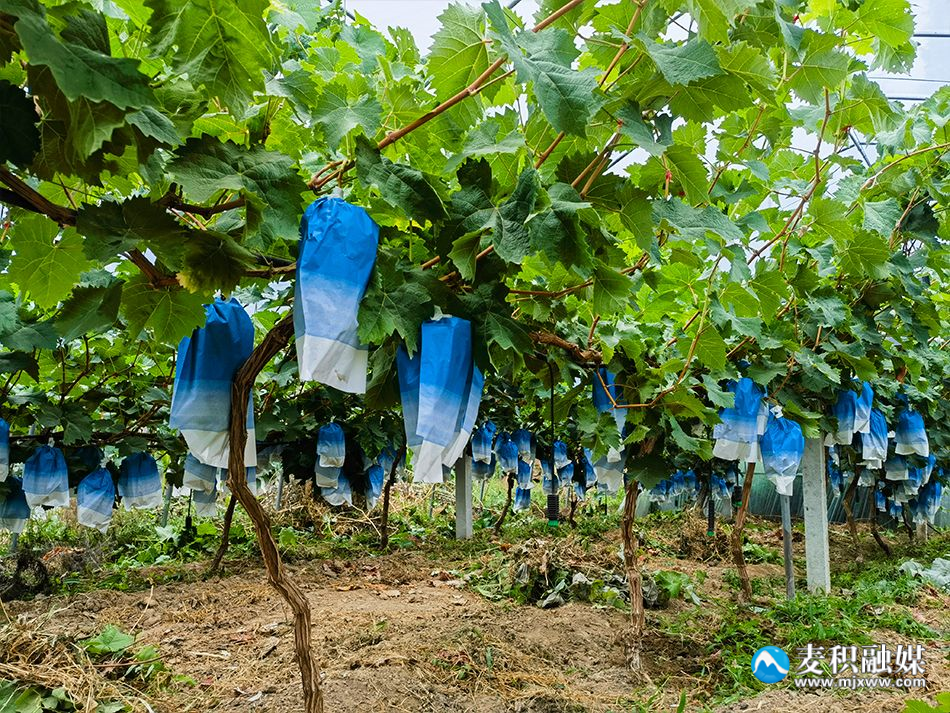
x=275 y=340
x=737 y=555
x=634 y=577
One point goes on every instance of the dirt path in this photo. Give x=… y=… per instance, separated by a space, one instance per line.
x=394 y=634
x=387 y=642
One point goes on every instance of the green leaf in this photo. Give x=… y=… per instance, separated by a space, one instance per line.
x=35 y=335
x=463 y=253
x=46 y=266
x=689 y=172
x=401 y=186
x=81 y=72
x=830 y=221
x=867 y=254
x=393 y=305
x=205 y=167
x=19 y=136
x=772 y=291
x=683 y=63
x=459 y=51
x=694 y=223
x=748 y=63
x=822 y=67
x=338 y=114
x=891 y=22
x=882 y=216
x=9 y=319
x=110 y=640
x=565 y=95
x=710 y=348
x=635 y=129
x=224 y=46
x=155 y=125
x=557 y=232
x=815 y=365
x=213 y=261
x=740 y=300
x=828 y=311
x=491 y=316
x=648 y=470
x=712 y=20
x=89 y=310
x=612 y=290
x=111 y=229
x=717 y=396
x=687 y=443
x=169 y=312
x=12 y=362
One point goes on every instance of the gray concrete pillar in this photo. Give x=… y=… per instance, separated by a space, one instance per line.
x=815 y=500
x=463 y=498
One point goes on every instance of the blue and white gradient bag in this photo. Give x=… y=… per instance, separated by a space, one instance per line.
x=605 y=399
x=338 y=243
x=14 y=510
x=507 y=454
x=95 y=499
x=783 y=446
x=340 y=495
x=522 y=499
x=482 y=442
x=205 y=502
x=874 y=442
x=376 y=478
x=437 y=386
x=140 y=485
x=206 y=365
x=524 y=474
x=525 y=442
x=45 y=478
x=331 y=446
x=199 y=476
x=911 y=435
x=737 y=436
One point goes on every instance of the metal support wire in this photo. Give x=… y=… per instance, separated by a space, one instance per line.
x=860 y=148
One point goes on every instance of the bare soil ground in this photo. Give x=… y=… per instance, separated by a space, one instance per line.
x=394 y=633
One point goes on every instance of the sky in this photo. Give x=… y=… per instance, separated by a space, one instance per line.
x=933 y=60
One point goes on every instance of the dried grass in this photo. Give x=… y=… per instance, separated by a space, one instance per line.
x=31 y=655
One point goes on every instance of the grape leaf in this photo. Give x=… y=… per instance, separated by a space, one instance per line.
x=80 y=72
x=46 y=266
x=338 y=114
x=401 y=186
x=459 y=51
x=169 y=312
x=683 y=63
x=224 y=46
x=89 y=310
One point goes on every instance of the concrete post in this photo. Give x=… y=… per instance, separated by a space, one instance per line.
x=463 y=498
x=815 y=499
x=787 y=545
